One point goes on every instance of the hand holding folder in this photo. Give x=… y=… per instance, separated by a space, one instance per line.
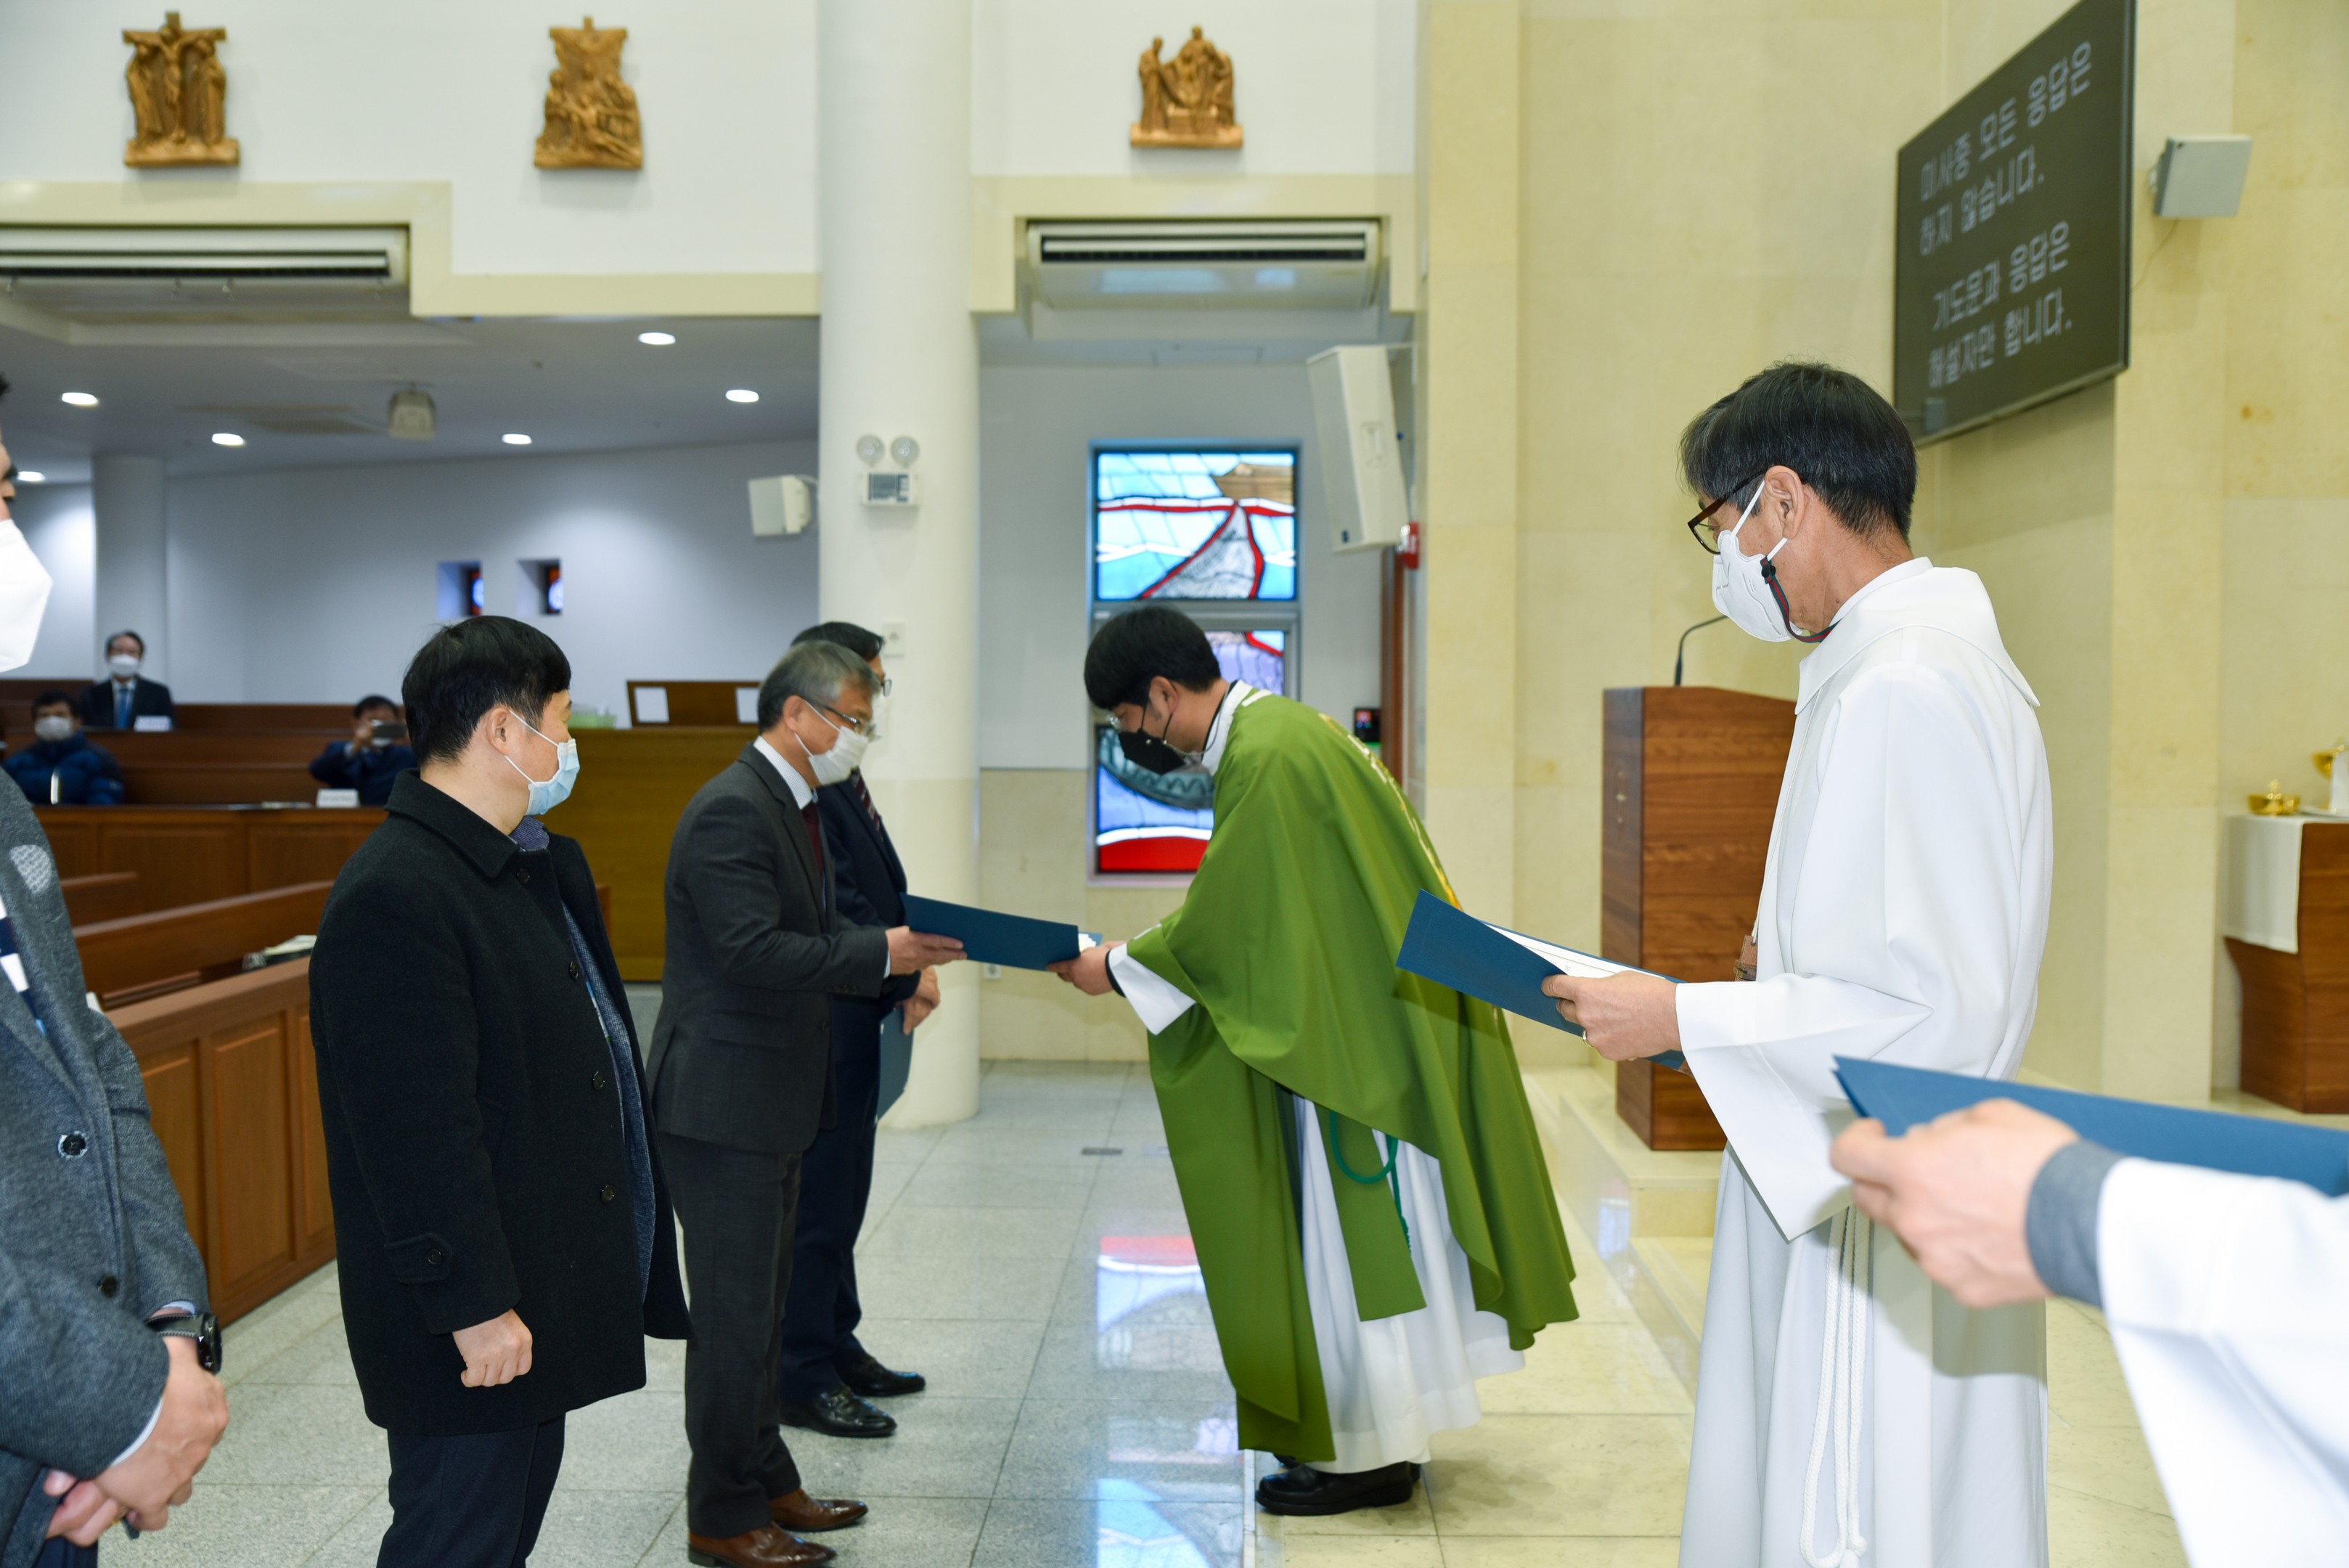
x=1903 y=1097
x=1015 y=941
x=1494 y=964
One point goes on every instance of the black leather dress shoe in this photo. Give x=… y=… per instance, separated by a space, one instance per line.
x=840 y=1413
x=875 y=1381
x=1302 y=1490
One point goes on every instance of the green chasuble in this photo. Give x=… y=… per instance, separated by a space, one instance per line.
x=1287 y=943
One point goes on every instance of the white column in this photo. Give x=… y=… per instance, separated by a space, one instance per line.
x=900 y=358
x=127 y=494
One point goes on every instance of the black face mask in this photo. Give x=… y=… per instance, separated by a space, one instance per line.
x=1150 y=753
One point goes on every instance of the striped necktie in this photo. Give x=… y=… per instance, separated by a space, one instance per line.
x=12 y=962
x=864 y=799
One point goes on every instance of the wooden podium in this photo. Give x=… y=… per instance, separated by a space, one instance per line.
x=2285 y=917
x=1691 y=786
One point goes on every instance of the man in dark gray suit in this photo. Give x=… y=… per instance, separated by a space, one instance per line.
x=741 y=1081
x=107 y=1402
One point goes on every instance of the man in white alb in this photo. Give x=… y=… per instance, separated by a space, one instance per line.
x=2222 y=1293
x=1847 y=1411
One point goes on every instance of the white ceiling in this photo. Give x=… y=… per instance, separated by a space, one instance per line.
x=571 y=386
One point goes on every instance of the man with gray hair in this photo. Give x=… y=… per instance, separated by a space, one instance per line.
x=743 y=1080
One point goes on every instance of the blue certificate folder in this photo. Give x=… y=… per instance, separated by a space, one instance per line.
x=988 y=937
x=1903 y=1097
x=1454 y=948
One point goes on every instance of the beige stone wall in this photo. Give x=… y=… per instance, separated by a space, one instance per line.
x=1704 y=186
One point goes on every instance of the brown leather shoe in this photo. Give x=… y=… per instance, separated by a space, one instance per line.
x=809 y=1514
x=766 y=1547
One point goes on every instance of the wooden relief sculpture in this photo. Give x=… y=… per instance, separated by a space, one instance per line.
x=1187 y=101
x=591 y=113
x=180 y=94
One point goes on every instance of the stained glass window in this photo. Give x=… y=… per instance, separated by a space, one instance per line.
x=1195 y=525
x=1147 y=822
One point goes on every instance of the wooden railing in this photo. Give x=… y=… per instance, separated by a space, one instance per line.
x=191 y=855
x=106 y=895
x=233 y=1087
x=171 y=949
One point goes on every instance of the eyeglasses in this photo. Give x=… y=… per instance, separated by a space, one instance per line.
x=863 y=727
x=1702 y=527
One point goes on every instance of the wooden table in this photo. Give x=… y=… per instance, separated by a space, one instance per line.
x=2284 y=913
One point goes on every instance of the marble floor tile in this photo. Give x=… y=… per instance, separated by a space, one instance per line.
x=322 y=1356
x=1351 y=1551
x=998 y=1186
x=1150 y=1360
x=962 y=1359
x=298 y=1433
x=2108 y=1462
x=257 y=1339
x=1595 y=1368
x=900 y=1533
x=2085 y=1385
x=1139 y=1528
x=2085 y=1532
x=1072 y=1448
x=993 y=1142
x=902 y=1146
x=1415 y=1517
x=909 y=1284
x=1581 y=1475
x=355 y=1545
x=223 y=1524
x=942 y=1447
x=1038 y=1233
x=1562 y=1552
x=634 y=1442
x=586 y=1529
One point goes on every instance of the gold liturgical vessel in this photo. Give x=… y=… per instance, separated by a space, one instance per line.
x=2275 y=803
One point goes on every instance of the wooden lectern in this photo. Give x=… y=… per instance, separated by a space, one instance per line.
x=2286 y=922
x=1691 y=786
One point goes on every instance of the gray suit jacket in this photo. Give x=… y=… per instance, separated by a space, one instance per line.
x=89 y=1242
x=742 y=1054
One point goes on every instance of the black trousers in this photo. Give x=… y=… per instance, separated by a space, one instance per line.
x=835 y=1183
x=474 y=1502
x=737 y=1208
x=57 y=1552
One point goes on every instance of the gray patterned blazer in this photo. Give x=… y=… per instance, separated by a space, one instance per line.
x=91 y=1241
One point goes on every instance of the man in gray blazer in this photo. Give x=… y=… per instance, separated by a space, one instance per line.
x=741 y=1081
x=106 y=1407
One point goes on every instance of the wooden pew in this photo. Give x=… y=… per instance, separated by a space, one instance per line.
x=171 y=949
x=108 y=896
x=232 y=1089
x=633 y=787
x=193 y=855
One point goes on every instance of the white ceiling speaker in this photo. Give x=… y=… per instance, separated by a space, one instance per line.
x=782 y=505
x=1361 y=457
x=411 y=417
x=2200 y=176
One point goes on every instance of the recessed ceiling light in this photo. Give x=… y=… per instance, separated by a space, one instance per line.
x=31 y=476
x=80 y=400
x=227 y=437
x=515 y=438
x=657 y=340
x=741 y=395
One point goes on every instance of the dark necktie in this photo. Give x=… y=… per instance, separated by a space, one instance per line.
x=864 y=799
x=815 y=837
x=122 y=706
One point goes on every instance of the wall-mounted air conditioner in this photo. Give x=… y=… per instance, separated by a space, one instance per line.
x=128 y=273
x=1288 y=264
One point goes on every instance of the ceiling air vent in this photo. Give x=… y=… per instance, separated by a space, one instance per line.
x=149 y=275
x=1299 y=264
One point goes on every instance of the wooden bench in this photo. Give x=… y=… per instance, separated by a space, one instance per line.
x=188 y=855
x=233 y=1088
x=140 y=956
x=108 y=896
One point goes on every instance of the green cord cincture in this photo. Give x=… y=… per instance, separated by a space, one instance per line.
x=1386 y=1173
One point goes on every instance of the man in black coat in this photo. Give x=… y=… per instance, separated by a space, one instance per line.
x=502 y=1220
x=741 y=1082
x=125 y=696
x=827 y=1374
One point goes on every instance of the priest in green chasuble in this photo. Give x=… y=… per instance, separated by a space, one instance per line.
x=1358 y=1165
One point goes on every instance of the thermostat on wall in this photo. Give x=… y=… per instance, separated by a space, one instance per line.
x=892 y=489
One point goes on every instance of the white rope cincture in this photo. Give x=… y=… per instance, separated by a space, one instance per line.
x=1843 y=1380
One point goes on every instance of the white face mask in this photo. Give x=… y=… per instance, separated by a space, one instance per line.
x=53 y=728
x=23 y=596
x=834 y=766
x=1739 y=589
x=124 y=665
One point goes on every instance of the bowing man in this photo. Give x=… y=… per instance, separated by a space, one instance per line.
x=1842 y=1407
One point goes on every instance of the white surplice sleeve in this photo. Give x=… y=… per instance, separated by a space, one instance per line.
x=1899 y=924
x=1157 y=1002
x=2225 y=1296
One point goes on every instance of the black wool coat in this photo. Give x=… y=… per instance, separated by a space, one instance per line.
x=474 y=1142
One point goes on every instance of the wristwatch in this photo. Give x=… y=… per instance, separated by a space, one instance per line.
x=201 y=1327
